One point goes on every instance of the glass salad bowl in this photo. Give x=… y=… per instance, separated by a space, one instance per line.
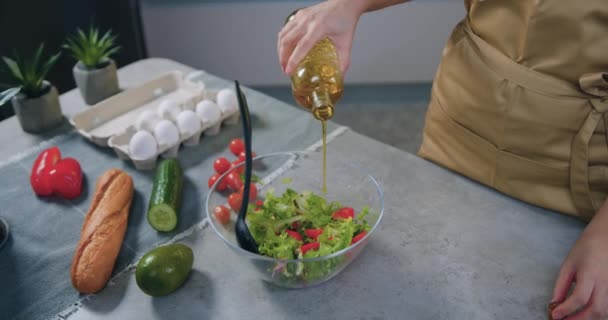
x=301 y=172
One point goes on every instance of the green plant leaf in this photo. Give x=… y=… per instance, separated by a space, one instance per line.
x=7 y=95
x=26 y=82
x=13 y=67
x=75 y=50
x=81 y=35
x=93 y=35
x=47 y=66
x=106 y=37
x=112 y=51
x=37 y=56
x=30 y=71
x=91 y=47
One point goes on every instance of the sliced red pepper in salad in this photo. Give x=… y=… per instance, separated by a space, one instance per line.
x=294 y=234
x=344 y=213
x=358 y=237
x=313 y=233
x=309 y=246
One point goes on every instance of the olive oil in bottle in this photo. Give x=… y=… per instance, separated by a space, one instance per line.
x=317 y=85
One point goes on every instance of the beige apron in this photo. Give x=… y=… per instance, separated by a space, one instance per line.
x=520 y=102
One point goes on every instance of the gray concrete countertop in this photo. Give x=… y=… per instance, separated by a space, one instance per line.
x=447 y=248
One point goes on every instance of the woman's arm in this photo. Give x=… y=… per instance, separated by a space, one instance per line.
x=336 y=19
x=587 y=267
x=372 y=5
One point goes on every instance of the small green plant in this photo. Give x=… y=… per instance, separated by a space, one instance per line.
x=91 y=49
x=28 y=74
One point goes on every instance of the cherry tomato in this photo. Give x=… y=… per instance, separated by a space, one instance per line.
x=242 y=156
x=235 y=200
x=221 y=186
x=236 y=146
x=344 y=213
x=253 y=191
x=233 y=181
x=240 y=170
x=221 y=165
x=294 y=234
x=222 y=214
x=313 y=233
x=259 y=203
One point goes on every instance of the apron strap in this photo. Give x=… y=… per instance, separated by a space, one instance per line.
x=595 y=84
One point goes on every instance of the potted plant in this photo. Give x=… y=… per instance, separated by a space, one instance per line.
x=95 y=72
x=35 y=100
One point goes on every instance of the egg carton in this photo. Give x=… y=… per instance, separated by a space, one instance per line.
x=121 y=119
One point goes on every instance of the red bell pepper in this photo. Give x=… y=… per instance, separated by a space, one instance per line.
x=294 y=234
x=309 y=246
x=313 y=233
x=66 y=178
x=39 y=177
x=358 y=237
x=344 y=213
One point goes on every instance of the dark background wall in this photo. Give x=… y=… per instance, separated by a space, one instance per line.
x=24 y=24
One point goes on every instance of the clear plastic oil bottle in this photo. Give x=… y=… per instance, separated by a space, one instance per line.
x=317 y=85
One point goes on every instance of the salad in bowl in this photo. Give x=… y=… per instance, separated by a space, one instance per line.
x=304 y=236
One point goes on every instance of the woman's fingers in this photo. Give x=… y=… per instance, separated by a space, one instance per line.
x=304 y=45
x=597 y=309
x=577 y=300
x=288 y=27
x=563 y=283
x=284 y=31
x=287 y=43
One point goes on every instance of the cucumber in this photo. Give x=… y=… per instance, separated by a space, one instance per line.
x=166 y=197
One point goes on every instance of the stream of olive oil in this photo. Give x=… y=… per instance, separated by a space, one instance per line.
x=317 y=85
x=324 y=125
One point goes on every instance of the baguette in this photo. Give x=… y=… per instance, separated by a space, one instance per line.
x=102 y=232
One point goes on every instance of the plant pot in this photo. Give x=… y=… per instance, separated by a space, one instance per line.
x=96 y=84
x=38 y=114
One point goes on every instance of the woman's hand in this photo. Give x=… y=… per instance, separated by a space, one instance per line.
x=336 y=20
x=587 y=266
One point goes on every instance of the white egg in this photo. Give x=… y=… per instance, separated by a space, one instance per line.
x=146 y=120
x=226 y=100
x=166 y=134
x=188 y=123
x=169 y=109
x=142 y=146
x=208 y=111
